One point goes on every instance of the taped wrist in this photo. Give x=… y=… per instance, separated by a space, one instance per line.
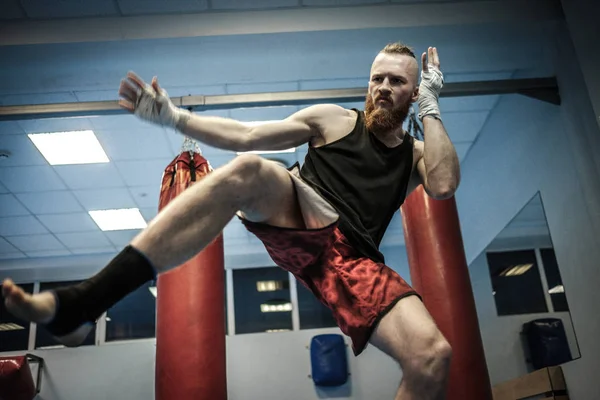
x=431 y=85
x=86 y=301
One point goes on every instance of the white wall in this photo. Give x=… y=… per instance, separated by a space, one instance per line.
x=258 y=367
x=526 y=146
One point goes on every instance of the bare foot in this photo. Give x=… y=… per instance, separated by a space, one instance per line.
x=38 y=308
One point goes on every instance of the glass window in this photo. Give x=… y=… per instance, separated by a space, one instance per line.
x=516 y=282
x=43 y=338
x=313 y=313
x=555 y=285
x=134 y=317
x=262 y=300
x=14 y=332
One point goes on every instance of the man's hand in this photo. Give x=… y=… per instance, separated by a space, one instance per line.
x=150 y=102
x=432 y=81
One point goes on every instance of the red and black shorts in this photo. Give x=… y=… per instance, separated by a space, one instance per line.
x=358 y=290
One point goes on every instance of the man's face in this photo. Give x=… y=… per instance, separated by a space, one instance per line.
x=392 y=89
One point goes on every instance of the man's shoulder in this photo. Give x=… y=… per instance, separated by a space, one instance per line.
x=326 y=110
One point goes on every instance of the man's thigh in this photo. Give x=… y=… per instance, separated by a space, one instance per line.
x=407 y=331
x=274 y=200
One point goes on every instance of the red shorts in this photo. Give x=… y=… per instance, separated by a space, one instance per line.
x=358 y=290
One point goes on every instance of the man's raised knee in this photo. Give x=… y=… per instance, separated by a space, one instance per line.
x=431 y=365
x=245 y=170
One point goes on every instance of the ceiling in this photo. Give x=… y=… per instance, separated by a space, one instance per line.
x=44 y=209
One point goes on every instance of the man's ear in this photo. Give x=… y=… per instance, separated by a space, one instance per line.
x=415 y=95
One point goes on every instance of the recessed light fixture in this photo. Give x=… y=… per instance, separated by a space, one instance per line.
x=118 y=220
x=65 y=148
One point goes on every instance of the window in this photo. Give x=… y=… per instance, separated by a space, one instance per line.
x=262 y=300
x=14 y=332
x=555 y=285
x=43 y=338
x=516 y=282
x=313 y=313
x=134 y=317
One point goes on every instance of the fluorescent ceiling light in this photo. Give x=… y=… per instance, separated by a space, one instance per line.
x=10 y=327
x=516 y=270
x=277 y=330
x=557 y=289
x=63 y=148
x=265 y=308
x=255 y=123
x=117 y=220
x=269 y=286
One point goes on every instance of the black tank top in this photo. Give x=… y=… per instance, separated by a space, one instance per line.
x=364 y=180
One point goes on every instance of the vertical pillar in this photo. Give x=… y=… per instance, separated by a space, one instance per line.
x=439 y=272
x=190 y=328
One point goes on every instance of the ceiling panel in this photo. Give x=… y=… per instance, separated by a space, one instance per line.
x=149 y=213
x=6 y=247
x=122 y=122
x=121 y=238
x=146 y=196
x=36 y=242
x=94 y=250
x=56 y=202
x=10 y=128
x=84 y=240
x=62 y=223
x=348 y=83
x=142 y=172
x=31 y=179
x=149 y=142
x=90 y=176
x=139 y=7
x=25 y=225
x=10 y=206
x=44 y=9
x=37 y=98
x=243 y=88
x=47 y=253
x=3 y=189
x=55 y=125
x=22 y=151
x=195 y=90
x=104 y=199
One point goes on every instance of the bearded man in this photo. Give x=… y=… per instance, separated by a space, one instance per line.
x=323 y=222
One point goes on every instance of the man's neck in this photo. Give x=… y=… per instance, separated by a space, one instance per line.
x=391 y=138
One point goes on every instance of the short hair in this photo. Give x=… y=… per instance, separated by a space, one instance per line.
x=398 y=48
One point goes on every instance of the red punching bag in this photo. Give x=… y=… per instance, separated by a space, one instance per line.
x=439 y=272
x=190 y=331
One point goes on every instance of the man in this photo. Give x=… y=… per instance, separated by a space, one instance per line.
x=323 y=222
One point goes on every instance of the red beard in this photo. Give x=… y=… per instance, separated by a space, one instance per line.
x=382 y=120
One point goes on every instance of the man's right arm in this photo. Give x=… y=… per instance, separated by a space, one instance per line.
x=152 y=103
x=301 y=127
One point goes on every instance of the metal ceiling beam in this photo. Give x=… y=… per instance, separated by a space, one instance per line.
x=545 y=89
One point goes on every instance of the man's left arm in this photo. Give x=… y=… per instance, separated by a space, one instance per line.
x=439 y=167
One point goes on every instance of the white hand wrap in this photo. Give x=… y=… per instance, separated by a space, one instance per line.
x=158 y=108
x=432 y=82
